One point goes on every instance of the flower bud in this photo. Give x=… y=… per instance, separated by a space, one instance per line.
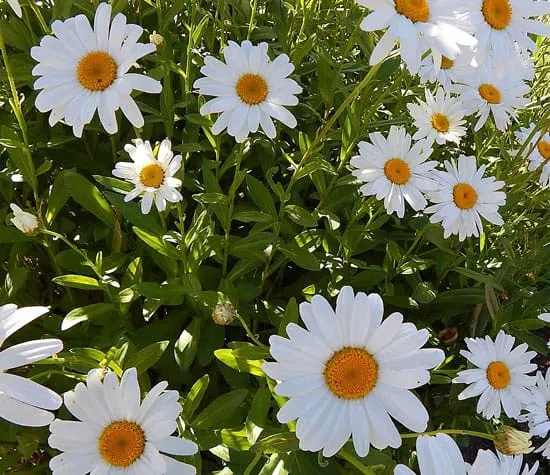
x=157 y=39
x=448 y=335
x=25 y=222
x=510 y=441
x=224 y=313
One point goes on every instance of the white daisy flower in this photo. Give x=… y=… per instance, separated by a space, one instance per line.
x=85 y=69
x=500 y=377
x=488 y=463
x=250 y=90
x=436 y=455
x=446 y=71
x=462 y=196
x=490 y=90
x=117 y=433
x=349 y=372
x=538 y=411
x=22 y=401
x=394 y=171
x=545 y=317
x=26 y=222
x=499 y=24
x=14 y=4
x=152 y=176
x=439 y=119
x=418 y=25
x=538 y=151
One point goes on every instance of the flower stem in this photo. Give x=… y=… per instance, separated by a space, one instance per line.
x=249 y=332
x=481 y=435
x=347 y=455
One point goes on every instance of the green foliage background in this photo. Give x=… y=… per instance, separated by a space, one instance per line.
x=265 y=226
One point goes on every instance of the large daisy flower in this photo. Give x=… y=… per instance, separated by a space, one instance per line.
x=488 y=463
x=439 y=119
x=538 y=151
x=250 y=90
x=117 y=433
x=538 y=412
x=349 y=372
x=85 y=69
x=499 y=24
x=23 y=401
x=418 y=25
x=463 y=196
x=153 y=177
x=493 y=91
x=500 y=377
x=436 y=455
x=14 y=4
x=394 y=171
x=446 y=71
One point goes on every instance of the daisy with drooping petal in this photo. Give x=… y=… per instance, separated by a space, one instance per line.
x=26 y=222
x=463 y=196
x=489 y=463
x=436 y=455
x=447 y=71
x=418 y=25
x=394 y=171
x=350 y=372
x=250 y=90
x=500 y=378
x=83 y=70
x=439 y=119
x=152 y=176
x=538 y=412
x=499 y=24
x=538 y=151
x=117 y=433
x=22 y=401
x=490 y=91
x=14 y=4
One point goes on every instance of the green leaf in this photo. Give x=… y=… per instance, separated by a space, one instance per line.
x=132 y=212
x=57 y=199
x=241 y=365
x=478 y=276
x=156 y=243
x=248 y=351
x=220 y=409
x=78 y=282
x=9 y=235
x=261 y=196
x=90 y=312
x=186 y=345
x=147 y=356
x=301 y=216
x=290 y=316
x=194 y=396
x=301 y=256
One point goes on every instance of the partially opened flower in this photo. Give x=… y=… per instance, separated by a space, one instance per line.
x=537 y=150
x=439 y=119
x=437 y=455
x=14 y=4
x=395 y=170
x=350 y=372
x=250 y=90
x=446 y=71
x=117 y=433
x=26 y=222
x=463 y=196
x=500 y=377
x=22 y=401
x=488 y=463
x=153 y=177
x=85 y=70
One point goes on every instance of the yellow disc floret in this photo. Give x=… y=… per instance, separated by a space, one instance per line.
x=490 y=93
x=152 y=175
x=446 y=63
x=464 y=196
x=498 y=375
x=122 y=443
x=440 y=122
x=397 y=171
x=497 y=13
x=252 y=89
x=414 y=10
x=96 y=71
x=544 y=149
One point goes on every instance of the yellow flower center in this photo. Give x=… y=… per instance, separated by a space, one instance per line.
x=122 y=443
x=414 y=10
x=252 y=89
x=397 y=171
x=152 y=175
x=490 y=93
x=96 y=71
x=498 y=375
x=351 y=373
x=440 y=122
x=498 y=13
x=544 y=149
x=446 y=63
x=548 y=409
x=464 y=196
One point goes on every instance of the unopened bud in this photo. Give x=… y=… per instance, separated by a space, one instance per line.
x=224 y=313
x=26 y=222
x=448 y=335
x=157 y=39
x=510 y=441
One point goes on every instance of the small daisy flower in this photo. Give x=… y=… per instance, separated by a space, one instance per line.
x=22 y=401
x=152 y=176
x=350 y=372
x=117 y=433
x=538 y=150
x=500 y=377
x=26 y=222
x=83 y=70
x=499 y=24
x=14 y=4
x=446 y=71
x=439 y=119
x=418 y=25
x=250 y=90
x=538 y=412
x=489 y=463
x=463 y=196
x=394 y=171
x=490 y=91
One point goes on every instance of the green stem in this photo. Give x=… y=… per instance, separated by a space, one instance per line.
x=348 y=456
x=249 y=332
x=252 y=464
x=252 y=18
x=481 y=435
